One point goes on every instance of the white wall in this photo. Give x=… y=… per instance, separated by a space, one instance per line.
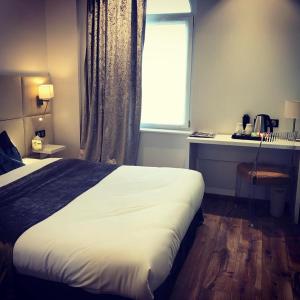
x=245 y=60
x=41 y=36
x=22 y=36
x=63 y=65
x=163 y=150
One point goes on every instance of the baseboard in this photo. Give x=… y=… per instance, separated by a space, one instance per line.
x=218 y=196
x=229 y=197
x=231 y=192
x=219 y=191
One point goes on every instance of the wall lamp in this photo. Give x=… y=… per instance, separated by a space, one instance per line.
x=46 y=92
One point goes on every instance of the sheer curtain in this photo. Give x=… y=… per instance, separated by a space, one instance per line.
x=111 y=108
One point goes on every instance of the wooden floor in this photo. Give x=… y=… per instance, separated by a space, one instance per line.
x=230 y=260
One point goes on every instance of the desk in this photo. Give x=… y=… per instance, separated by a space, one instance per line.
x=226 y=140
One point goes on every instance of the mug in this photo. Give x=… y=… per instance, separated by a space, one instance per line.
x=248 y=129
x=239 y=128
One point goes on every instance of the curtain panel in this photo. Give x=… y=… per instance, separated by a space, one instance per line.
x=111 y=108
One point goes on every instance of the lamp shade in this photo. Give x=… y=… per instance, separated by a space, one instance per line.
x=46 y=91
x=292 y=109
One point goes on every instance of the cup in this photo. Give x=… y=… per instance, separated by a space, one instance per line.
x=239 y=128
x=248 y=129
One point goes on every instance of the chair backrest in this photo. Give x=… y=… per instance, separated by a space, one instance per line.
x=267 y=137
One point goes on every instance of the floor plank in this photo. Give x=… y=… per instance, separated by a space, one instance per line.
x=194 y=269
x=230 y=260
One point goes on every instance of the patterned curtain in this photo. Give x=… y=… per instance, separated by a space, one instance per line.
x=111 y=110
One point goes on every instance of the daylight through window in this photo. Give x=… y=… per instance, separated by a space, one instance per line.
x=166 y=64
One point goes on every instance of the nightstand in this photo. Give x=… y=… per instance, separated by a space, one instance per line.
x=48 y=150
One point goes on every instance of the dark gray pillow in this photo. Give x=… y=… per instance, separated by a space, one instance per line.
x=8 y=164
x=10 y=158
x=8 y=147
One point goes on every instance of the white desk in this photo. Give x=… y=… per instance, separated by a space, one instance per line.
x=226 y=140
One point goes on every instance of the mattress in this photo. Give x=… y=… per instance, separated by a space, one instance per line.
x=29 y=160
x=119 y=237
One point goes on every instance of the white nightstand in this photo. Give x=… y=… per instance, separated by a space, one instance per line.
x=49 y=149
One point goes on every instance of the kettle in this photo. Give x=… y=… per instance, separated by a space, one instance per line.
x=263 y=123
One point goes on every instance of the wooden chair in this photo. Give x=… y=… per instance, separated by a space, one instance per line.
x=260 y=175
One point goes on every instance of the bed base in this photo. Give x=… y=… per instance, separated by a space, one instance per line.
x=29 y=288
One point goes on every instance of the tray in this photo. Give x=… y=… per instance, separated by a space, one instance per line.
x=245 y=137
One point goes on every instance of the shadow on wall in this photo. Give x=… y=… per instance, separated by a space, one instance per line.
x=207 y=6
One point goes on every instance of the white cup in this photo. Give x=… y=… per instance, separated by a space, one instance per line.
x=249 y=128
x=239 y=128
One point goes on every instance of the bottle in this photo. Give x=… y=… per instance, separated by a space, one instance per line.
x=246 y=120
x=37 y=143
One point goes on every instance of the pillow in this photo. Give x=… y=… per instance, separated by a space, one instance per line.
x=8 y=147
x=7 y=163
x=10 y=158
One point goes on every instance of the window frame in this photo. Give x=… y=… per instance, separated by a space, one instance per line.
x=155 y=18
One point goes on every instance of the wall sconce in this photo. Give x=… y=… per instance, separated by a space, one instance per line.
x=46 y=92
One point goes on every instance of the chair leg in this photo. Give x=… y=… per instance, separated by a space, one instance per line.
x=251 y=206
x=238 y=185
x=268 y=196
x=290 y=191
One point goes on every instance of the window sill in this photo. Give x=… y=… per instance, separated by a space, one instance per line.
x=168 y=131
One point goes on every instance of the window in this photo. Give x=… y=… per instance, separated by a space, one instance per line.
x=167 y=64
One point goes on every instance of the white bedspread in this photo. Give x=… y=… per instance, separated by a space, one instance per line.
x=119 y=237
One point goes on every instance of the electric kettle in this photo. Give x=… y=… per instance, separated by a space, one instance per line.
x=263 y=123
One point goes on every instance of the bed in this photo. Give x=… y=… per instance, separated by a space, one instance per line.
x=119 y=237
x=82 y=230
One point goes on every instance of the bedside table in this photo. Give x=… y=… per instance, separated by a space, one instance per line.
x=48 y=150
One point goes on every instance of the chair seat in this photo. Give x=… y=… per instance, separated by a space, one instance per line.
x=265 y=174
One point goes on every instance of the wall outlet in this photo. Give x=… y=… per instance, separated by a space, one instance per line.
x=275 y=123
x=41 y=133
